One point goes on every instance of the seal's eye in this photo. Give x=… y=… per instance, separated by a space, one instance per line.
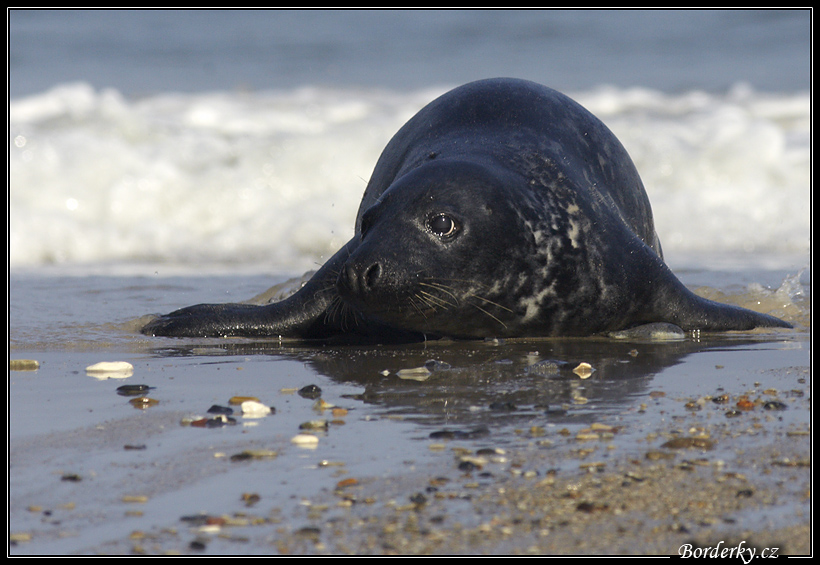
x=443 y=225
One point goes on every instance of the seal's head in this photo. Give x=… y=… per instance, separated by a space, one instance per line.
x=424 y=251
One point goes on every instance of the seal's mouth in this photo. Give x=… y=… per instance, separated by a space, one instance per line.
x=423 y=304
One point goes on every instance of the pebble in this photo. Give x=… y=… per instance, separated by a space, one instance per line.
x=143 y=402
x=305 y=440
x=689 y=442
x=481 y=431
x=217 y=409
x=414 y=374
x=254 y=454
x=113 y=369
x=349 y=482
x=314 y=425
x=322 y=404
x=774 y=405
x=250 y=498
x=583 y=370
x=254 y=409
x=23 y=365
x=216 y=422
x=132 y=390
x=311 y=392
x=238 y=400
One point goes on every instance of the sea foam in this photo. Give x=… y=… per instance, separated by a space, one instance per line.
x=274 y=178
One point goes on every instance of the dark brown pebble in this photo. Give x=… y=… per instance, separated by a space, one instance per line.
x=458 y=434
x=774 y=405
x=196 y=519
x=505 y=406
x=686 y=442
x=309 y=532
x=132 y=390
x=311 y=392
x=198 y=545
x=128 y=447
x=216 y=422
x=590 y=507
x=467 y=466
x=216 y=409
x=250 y=498
x=71 y=477
x=418 y=499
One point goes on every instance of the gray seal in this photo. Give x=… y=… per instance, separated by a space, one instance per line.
x=501 y=209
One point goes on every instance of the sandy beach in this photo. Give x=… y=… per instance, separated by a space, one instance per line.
x=165 y=158
x=438 y=448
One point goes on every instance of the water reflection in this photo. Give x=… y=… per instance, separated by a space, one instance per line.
x=483 y=383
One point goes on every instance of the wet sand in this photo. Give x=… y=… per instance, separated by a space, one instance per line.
x=499 y=448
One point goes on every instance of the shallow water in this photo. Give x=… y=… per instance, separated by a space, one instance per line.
x=506 y=396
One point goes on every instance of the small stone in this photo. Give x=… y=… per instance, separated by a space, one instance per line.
x=254 y=409
x=321 y=405
x=745 y=404
x=305 y=440
x=238 y=400
x=132 y=390
x=18 y=537
x=774 y=405
x=689 y=442
x=143 y=402
x=314 y=425
x=111 y=368
x=23 y=365
x=415 y=374
x=250 y=498
x=311 y=392
x=583 y=370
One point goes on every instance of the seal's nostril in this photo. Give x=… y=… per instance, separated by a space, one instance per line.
x=371 y=276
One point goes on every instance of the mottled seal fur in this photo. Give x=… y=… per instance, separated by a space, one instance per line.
x=502 y=209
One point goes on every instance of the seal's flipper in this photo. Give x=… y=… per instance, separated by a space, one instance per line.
x=306 y=314
x=678 y=305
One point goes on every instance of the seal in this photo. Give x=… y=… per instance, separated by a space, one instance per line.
x=501 y=209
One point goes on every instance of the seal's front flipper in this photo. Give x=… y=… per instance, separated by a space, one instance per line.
x=209 y=320
x=313 y=312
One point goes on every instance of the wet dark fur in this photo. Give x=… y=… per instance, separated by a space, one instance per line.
x=502 y=209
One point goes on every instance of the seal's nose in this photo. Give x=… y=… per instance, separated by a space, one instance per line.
x=358 y=280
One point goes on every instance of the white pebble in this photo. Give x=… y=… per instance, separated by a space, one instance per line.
x=253 y=409
x=415 y=374
x=110 y=369
x=305 y=440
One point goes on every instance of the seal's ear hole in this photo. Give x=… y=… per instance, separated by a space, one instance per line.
x=443 y=225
